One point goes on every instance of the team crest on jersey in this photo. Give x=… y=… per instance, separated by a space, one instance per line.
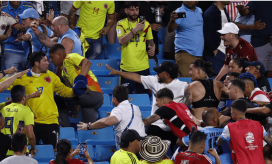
x=106 y=6
x=234 y=55
x=249 y=137
x=65 y=69
x=3 y=27
x=184 y=162
x=47 y=79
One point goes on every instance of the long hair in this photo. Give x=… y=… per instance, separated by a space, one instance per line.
x=63 y=149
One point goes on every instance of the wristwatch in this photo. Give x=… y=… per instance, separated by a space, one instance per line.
x=3 y=73
x=88 y=126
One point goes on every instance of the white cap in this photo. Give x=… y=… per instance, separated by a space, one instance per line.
x=229 y=28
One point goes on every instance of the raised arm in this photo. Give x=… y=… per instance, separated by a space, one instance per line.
x=268 y=140
x=243 y=10
x=149 y=120
x=151 y=46
x=258 y=110
x=224 y=70
x=172 y=25
x=99 y=124
x=45 y=40
x=110 y=23
x=5 y=36
x=220 y=141
x=127 y=75
x=258 y=25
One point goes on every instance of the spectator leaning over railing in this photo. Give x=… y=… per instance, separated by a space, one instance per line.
x=189 y=39
x=19 y=145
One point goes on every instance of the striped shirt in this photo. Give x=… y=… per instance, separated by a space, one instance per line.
x=232 y=10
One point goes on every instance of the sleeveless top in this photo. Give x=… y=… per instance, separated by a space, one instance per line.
x=209 y=99
x=74 y=37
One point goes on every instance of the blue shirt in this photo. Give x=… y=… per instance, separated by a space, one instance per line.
x=74 y=37
x=224 y=151
x=35 y=43
x=10 y=44
x=189 y=32
x=262 y=10
x=247 y=20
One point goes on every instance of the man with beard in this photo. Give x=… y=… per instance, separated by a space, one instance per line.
x=166 y=77
x=133 y=35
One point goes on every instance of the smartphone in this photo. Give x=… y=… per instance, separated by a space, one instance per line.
x=181 y=15
x=83 y=147
x=21 y=125
x=142 y=18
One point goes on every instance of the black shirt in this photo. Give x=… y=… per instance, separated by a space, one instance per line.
x=5 y=144
x=168 y=113
x=263 y=84
x=257 y=117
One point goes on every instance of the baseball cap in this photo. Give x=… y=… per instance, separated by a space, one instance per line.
x=258 y=65
x=168 y=67
x=229 y=28
x=80 y=85
x=130 y=135
x=29 y=13
x=249 y=76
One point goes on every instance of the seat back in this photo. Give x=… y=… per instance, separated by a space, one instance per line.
x=152 y=64
x=67 y=133
x=99 y=68
x=45 y=153
x=97 y=134
x=139 y=99
x=5 y=97
x=104 y=152
x=161 y=60
x=185 y=79
x=108 y=83
x=112 y=51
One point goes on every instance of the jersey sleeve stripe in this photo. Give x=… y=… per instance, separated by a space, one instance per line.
x=208 y=159
x=123 y=28
x=133 y=161
x=145 y=31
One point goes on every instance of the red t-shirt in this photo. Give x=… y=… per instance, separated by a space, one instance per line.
x=242 y=50
x=189 y=157
x=70 y=161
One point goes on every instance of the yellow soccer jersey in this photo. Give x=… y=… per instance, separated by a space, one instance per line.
x=44 y=107
x=124 y=157
x=93 y=15
x=13 y=113
x=134 y=57
x=71 y=69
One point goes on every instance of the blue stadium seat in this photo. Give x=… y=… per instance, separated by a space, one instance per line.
x=91 y=153
x=104 y=152
x=141 y=100
x=108 y=83
x=4 y=97
x=75 y=120
x=103 y=136
x=270 y=81
x=160 y=54
x=69 y=134
x=152 y=64
x=161 y=35
x=106 y=107
x=160 y=61
x=45 y=153
x=113 y=51
x=99 y=68
x=186 y=79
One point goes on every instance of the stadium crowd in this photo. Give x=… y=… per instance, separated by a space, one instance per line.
x=222 y=115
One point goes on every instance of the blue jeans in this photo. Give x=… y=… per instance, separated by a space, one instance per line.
x=13 y=59
x=95 y=48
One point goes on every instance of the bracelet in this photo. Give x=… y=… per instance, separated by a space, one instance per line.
x=3 y=72
x=88 y=126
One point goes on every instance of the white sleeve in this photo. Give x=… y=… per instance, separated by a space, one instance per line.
x=261 y=97
x=117 y=113
x=225 y=134
x=149 y=81
x=10 y=20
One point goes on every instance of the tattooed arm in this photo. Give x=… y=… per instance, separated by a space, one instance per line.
x=45 y=40
x=188 y=98
x=149 y=120
x=268 y=140
x=151 y=46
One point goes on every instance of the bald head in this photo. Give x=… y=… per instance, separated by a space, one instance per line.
x=61 y=20
x=210 y=117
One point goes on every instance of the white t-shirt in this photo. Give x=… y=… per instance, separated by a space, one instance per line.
x=123 y=113
x=224 y=20
x=15 y=159
x=259 y=97
x=176 y=86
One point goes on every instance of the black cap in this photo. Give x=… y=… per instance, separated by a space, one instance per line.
x=168 y=67
x=130 y=135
